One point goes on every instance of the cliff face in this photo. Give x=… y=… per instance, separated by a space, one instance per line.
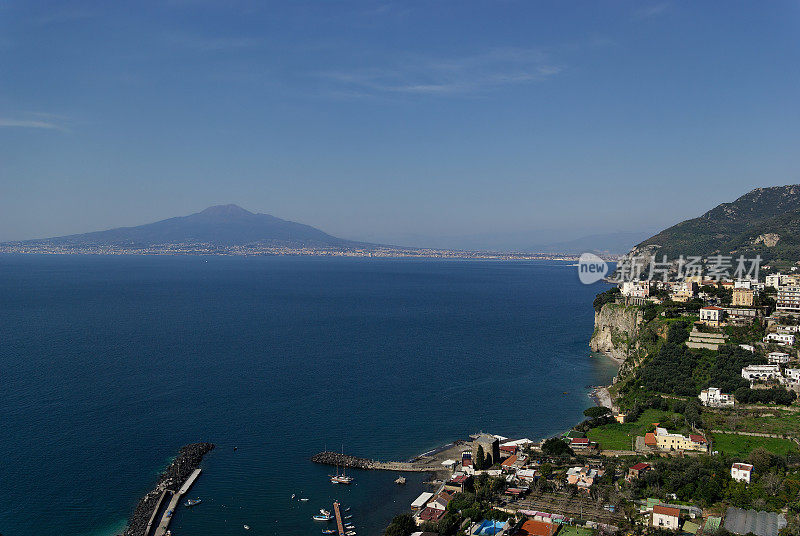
x=615 y=330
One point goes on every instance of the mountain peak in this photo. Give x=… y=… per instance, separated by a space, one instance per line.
x=226 y=211
x=764 y=221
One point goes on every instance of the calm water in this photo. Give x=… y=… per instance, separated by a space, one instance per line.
x=109 y=364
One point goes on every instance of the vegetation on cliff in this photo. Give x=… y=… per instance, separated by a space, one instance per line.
x=765 y=222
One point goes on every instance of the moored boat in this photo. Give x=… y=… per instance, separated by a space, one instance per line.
x=192 y=502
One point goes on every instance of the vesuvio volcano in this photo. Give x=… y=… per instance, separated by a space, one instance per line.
x=221 y=225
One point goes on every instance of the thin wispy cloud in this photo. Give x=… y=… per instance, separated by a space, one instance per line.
x=653 y=10
x=445 y=76
x=22 y=123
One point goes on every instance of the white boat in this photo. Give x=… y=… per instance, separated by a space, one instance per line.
x=304 y=499
x=348 y=517
x=320 y=517
x=324 y=512
x=246 y=527
x=343 y=478
x=350 y=533
x=292 y=495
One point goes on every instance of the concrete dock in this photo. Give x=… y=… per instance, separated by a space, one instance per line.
x=176 y=497
x=339 y=522
x=155 y=513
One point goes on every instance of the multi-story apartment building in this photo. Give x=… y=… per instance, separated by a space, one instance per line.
x=743 y=297
x=788 y=298
x=778 y=358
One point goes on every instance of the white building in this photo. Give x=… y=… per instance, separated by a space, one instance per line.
x=711 y=315
x=635 y=289
x=713 y=397
x=788 y=329
x=748 y=347
x=774 y=280
x=761 y=372
x=788 y=298
x=778 y=358
x=780 y=338
x=792 y=375
x=666 y=517
x=741 y=472
x=420 y=502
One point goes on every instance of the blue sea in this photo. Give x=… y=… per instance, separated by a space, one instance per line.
x=109 y=364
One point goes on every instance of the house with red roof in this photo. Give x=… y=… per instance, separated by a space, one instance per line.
x=637 y=470
x=665 y=517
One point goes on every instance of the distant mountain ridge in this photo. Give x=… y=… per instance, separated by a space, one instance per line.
x=764 y=221
x=221 y=225
x=600 y=244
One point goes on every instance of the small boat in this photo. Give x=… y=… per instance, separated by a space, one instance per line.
x=320 y=517
x=350 y=533
x=246 y=527
x=292 y=495
x=324 y=512
x=191 y=502
x=348 y=517
x=347 y=509
x=328 y=531
x=400 y=480
x=304 y=499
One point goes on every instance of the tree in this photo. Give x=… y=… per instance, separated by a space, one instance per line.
x=401 y=525
x=609 y=296
x=448 y=525
x=556 y=447
x=597 y=412
x=772 y=483
x=480 y=459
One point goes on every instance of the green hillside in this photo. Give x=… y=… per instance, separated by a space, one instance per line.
x=765 y=221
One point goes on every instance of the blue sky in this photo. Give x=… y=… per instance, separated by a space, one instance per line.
x=462 y=123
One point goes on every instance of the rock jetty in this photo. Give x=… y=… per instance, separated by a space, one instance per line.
x=188 y=459
x=343 y=460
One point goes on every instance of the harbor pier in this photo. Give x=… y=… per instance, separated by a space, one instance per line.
x=176 y=498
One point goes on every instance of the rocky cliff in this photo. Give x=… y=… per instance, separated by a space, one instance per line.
x=615 y=329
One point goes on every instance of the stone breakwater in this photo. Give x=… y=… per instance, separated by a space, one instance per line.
x=188 y=459
x=343 y=460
